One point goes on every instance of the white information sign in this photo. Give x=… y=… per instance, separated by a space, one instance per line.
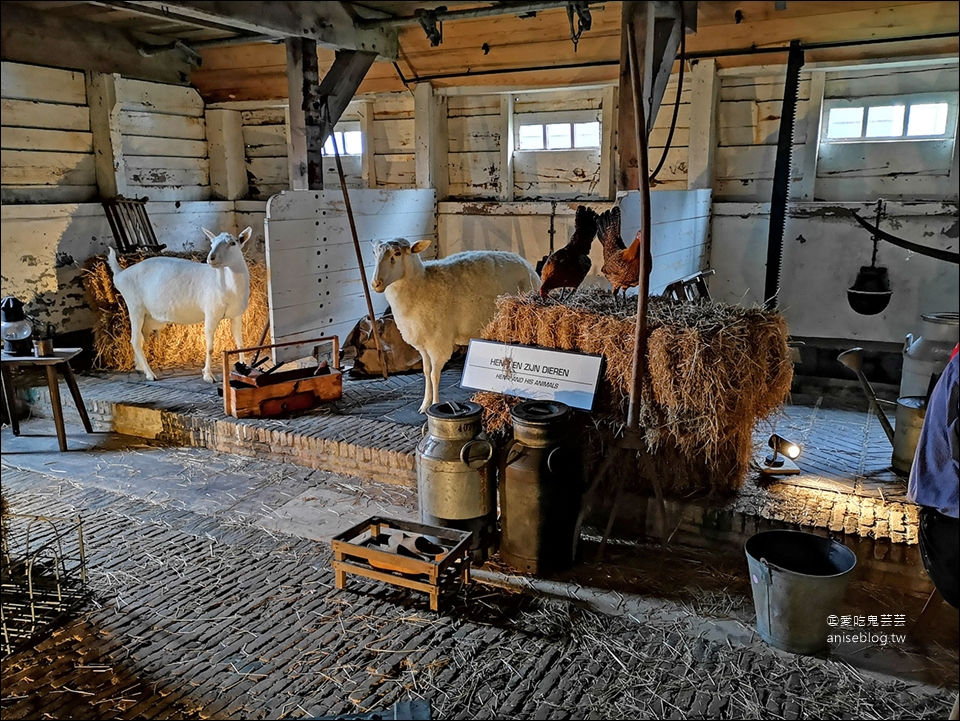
x=530 y=372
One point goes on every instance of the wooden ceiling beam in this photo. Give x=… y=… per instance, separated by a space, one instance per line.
x=44 y=38
x=328 y=23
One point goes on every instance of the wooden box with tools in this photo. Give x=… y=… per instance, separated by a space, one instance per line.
x=254 y=392
x=403 y=553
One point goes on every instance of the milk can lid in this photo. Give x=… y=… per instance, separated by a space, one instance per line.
x=948 y=318
x=540 y=412
x=454 y=409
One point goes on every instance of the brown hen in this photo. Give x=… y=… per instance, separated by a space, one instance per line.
x=566 y=267
x=621 y=265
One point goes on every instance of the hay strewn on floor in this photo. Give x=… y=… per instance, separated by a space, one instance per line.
x=713 y=371
x=176 y=346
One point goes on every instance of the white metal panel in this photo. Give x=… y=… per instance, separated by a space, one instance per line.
x=313 y=280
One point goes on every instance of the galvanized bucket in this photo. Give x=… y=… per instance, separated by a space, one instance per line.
x=798 y=581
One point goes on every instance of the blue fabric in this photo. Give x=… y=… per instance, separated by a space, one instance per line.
x=935 y=475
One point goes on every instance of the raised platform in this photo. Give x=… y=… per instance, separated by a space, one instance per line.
x=846 y=488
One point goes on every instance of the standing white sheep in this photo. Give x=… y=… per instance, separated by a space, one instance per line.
x=163 y=290
x=441 y=304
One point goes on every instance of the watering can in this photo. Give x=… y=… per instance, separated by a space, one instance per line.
x=910 y=411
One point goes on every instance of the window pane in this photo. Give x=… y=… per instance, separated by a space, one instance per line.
x=927 y=119
x=531 y=137
x=328 y=146
x=586 y=135
x=353 y=142
x=558 y=136
x=885 y=121
x=845 y=123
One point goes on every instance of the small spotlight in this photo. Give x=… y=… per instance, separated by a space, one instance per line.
x=784 y=453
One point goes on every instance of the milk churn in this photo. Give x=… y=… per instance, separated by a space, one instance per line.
x=540 y=489
x=455 y=479
x=928 y=354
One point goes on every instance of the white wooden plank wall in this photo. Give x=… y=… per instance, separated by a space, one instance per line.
x=893 y=170
x=47 y=146
x=164 y=141
x=313 y=278
x=747 y=130
x=394 y=145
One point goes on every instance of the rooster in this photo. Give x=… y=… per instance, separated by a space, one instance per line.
x=566 y=267
x=621 y=265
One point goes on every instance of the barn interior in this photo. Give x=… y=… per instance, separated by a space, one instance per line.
x=790 y=170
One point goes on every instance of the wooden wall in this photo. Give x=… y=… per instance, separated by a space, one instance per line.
x=47 y=146
x=164 y=141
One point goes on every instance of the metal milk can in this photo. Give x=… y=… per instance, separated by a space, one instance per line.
x=456 y=485
x=928 y=354
x=540 y=489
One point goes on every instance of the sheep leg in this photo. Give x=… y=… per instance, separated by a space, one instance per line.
x=210 y=328
x=435 y=369
x=236 y=325
x=427 y=383
x=136 y=340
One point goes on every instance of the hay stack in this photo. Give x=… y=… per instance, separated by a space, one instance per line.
x=713 y=371
x=176 y=346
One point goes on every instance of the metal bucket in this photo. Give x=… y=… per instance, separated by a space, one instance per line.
x=456 y=486
x=540 y=489
x=798 y=581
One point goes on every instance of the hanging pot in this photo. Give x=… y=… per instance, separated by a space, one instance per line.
x=870 y=292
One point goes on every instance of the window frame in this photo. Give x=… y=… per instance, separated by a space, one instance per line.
x=349 y=126
x=569 y=117
x=878 y=101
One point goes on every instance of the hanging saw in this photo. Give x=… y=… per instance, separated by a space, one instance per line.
x=946 y=255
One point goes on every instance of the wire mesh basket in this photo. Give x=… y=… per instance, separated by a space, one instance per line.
x=43 y=575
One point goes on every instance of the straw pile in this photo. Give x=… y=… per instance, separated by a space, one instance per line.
x=176 y=346
x=713 y=371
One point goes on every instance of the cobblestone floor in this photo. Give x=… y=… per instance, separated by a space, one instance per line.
x=207 y=602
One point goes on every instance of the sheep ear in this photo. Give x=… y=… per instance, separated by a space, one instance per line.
x=420 y=246
x=210 y=236
x=245 y=235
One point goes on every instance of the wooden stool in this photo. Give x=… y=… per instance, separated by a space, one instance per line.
x=60 y=360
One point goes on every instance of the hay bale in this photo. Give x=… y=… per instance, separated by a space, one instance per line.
x=176 y=346
x=713 y=370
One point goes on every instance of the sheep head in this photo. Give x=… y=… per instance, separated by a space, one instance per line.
x=226 y=251
x=392 y=259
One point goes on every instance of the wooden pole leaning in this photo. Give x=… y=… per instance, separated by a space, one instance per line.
x=356 y=246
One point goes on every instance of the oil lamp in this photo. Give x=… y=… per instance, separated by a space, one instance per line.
x=15 y=329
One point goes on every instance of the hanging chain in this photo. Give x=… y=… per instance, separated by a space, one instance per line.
x=876 y=240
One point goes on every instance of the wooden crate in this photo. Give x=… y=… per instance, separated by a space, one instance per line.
x=426 y=576
x=286 y=396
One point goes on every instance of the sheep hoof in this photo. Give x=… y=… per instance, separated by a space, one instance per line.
x=150 y=376
x=423 y=407
x=209 y=378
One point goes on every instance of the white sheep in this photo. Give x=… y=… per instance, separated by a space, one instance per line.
x=441 y=304
x=165 y=290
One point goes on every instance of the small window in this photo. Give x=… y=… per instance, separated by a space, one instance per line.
x=559 y=136
x=349 y=142
x=878 y=120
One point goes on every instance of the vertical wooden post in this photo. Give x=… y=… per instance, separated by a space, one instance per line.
x=107 y=137
x=607 y=187
x=704 y=93
x=432 y=142
x=305 y=140
x=228 y=168
x=807 y=155
x=367 y=160
x=506 y=147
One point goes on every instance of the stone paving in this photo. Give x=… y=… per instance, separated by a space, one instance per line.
x=213 y=598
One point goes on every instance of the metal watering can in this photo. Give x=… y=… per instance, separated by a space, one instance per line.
x=910 y=411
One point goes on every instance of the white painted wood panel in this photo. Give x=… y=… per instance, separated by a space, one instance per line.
x=393 y=136
x=393 y=105
x=395 y=171
x=24 y=167
x=170 y=147
x=297 y=222
x=31 y=82
x=30 y=114
x=162 y=125
x=474 y=133
x=46 y=140
x=142 y=96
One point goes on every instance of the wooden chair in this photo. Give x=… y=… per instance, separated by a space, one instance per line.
x=131 y=225
x=690 y=288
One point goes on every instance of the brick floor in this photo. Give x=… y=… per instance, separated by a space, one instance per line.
x=203 y=610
